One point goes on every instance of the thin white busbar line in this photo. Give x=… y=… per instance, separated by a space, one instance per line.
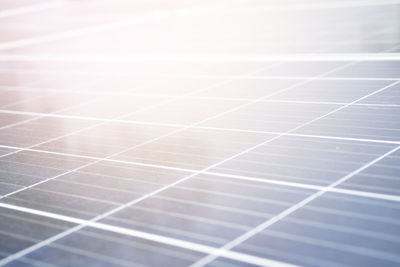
x=261 y=227
x=196 y=126
x=326 y=57
x=141 y=235
x=30 y=9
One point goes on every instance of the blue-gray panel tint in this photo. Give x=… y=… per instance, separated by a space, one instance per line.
x=304 y=160
x=21 y=230
x=367 y=122
x=382 y=177
x=380 y=69
x=390 y=96
x=333 y=230
x=202 y=122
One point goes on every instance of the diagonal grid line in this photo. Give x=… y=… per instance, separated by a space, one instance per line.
x=61 y=235
x=187 y=177
x=261 y=227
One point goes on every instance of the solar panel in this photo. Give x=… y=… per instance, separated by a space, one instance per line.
x=199 y=133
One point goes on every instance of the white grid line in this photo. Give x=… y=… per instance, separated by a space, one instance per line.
x=176 y=125
x=261 y=227
x=215 y=252
x=225 y=175
x=118 y=118
x=142 y=235
x=193 y=174
x=199 y=172
x=122 y=93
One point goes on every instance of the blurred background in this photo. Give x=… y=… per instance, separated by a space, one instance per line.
x=202 y=28
x=141 y=37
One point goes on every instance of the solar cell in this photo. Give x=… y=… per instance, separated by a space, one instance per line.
x=199 y=133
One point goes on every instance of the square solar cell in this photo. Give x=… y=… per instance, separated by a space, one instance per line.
x=273 y=117
x=331 y=91
x=370 y=70
x=368 y=122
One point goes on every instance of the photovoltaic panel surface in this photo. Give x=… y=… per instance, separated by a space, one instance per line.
x=199 y=133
